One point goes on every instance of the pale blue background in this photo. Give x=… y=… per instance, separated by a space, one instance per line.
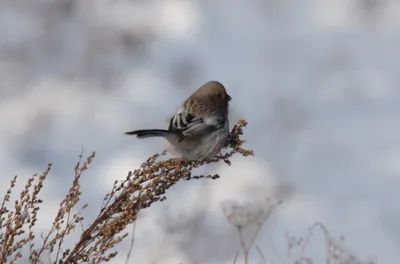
x=318 y=82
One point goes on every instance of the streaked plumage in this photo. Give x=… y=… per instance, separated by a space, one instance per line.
x=200 y=127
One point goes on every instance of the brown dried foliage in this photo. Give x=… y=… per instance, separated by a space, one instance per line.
x=120 y=207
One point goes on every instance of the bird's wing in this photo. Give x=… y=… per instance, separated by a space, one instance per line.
x=183 y=121
x=187 y=124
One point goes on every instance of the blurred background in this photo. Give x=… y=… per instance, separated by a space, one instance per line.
x=317 y=80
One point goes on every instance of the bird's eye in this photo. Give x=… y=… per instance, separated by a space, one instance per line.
x=219 y=95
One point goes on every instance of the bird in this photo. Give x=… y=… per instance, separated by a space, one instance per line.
x=200 y=127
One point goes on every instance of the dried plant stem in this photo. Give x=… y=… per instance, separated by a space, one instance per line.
x=139 y=190
x=243 y=245
x=132 y=243
x=261 y=254
x=236 y=257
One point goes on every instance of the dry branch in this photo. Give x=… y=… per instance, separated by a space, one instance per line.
x=140 y=189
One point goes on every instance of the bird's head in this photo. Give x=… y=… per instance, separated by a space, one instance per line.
x=214 y=91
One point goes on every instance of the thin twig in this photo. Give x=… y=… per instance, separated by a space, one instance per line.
x=236 y=257
x=243 y=244
x=132 y=243
x=276 y=251
x=261 y=254
x=133 y=237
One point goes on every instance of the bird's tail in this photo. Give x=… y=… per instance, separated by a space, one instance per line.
x=145 y=133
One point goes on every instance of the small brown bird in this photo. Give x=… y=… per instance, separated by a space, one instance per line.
x=200 y=127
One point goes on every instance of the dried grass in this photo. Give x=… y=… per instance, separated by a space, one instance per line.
x=141 y=188
x=249 y=219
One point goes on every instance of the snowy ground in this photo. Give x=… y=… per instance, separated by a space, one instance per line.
x=317 y=81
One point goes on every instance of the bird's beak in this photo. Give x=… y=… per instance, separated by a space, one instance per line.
x=228 y=96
